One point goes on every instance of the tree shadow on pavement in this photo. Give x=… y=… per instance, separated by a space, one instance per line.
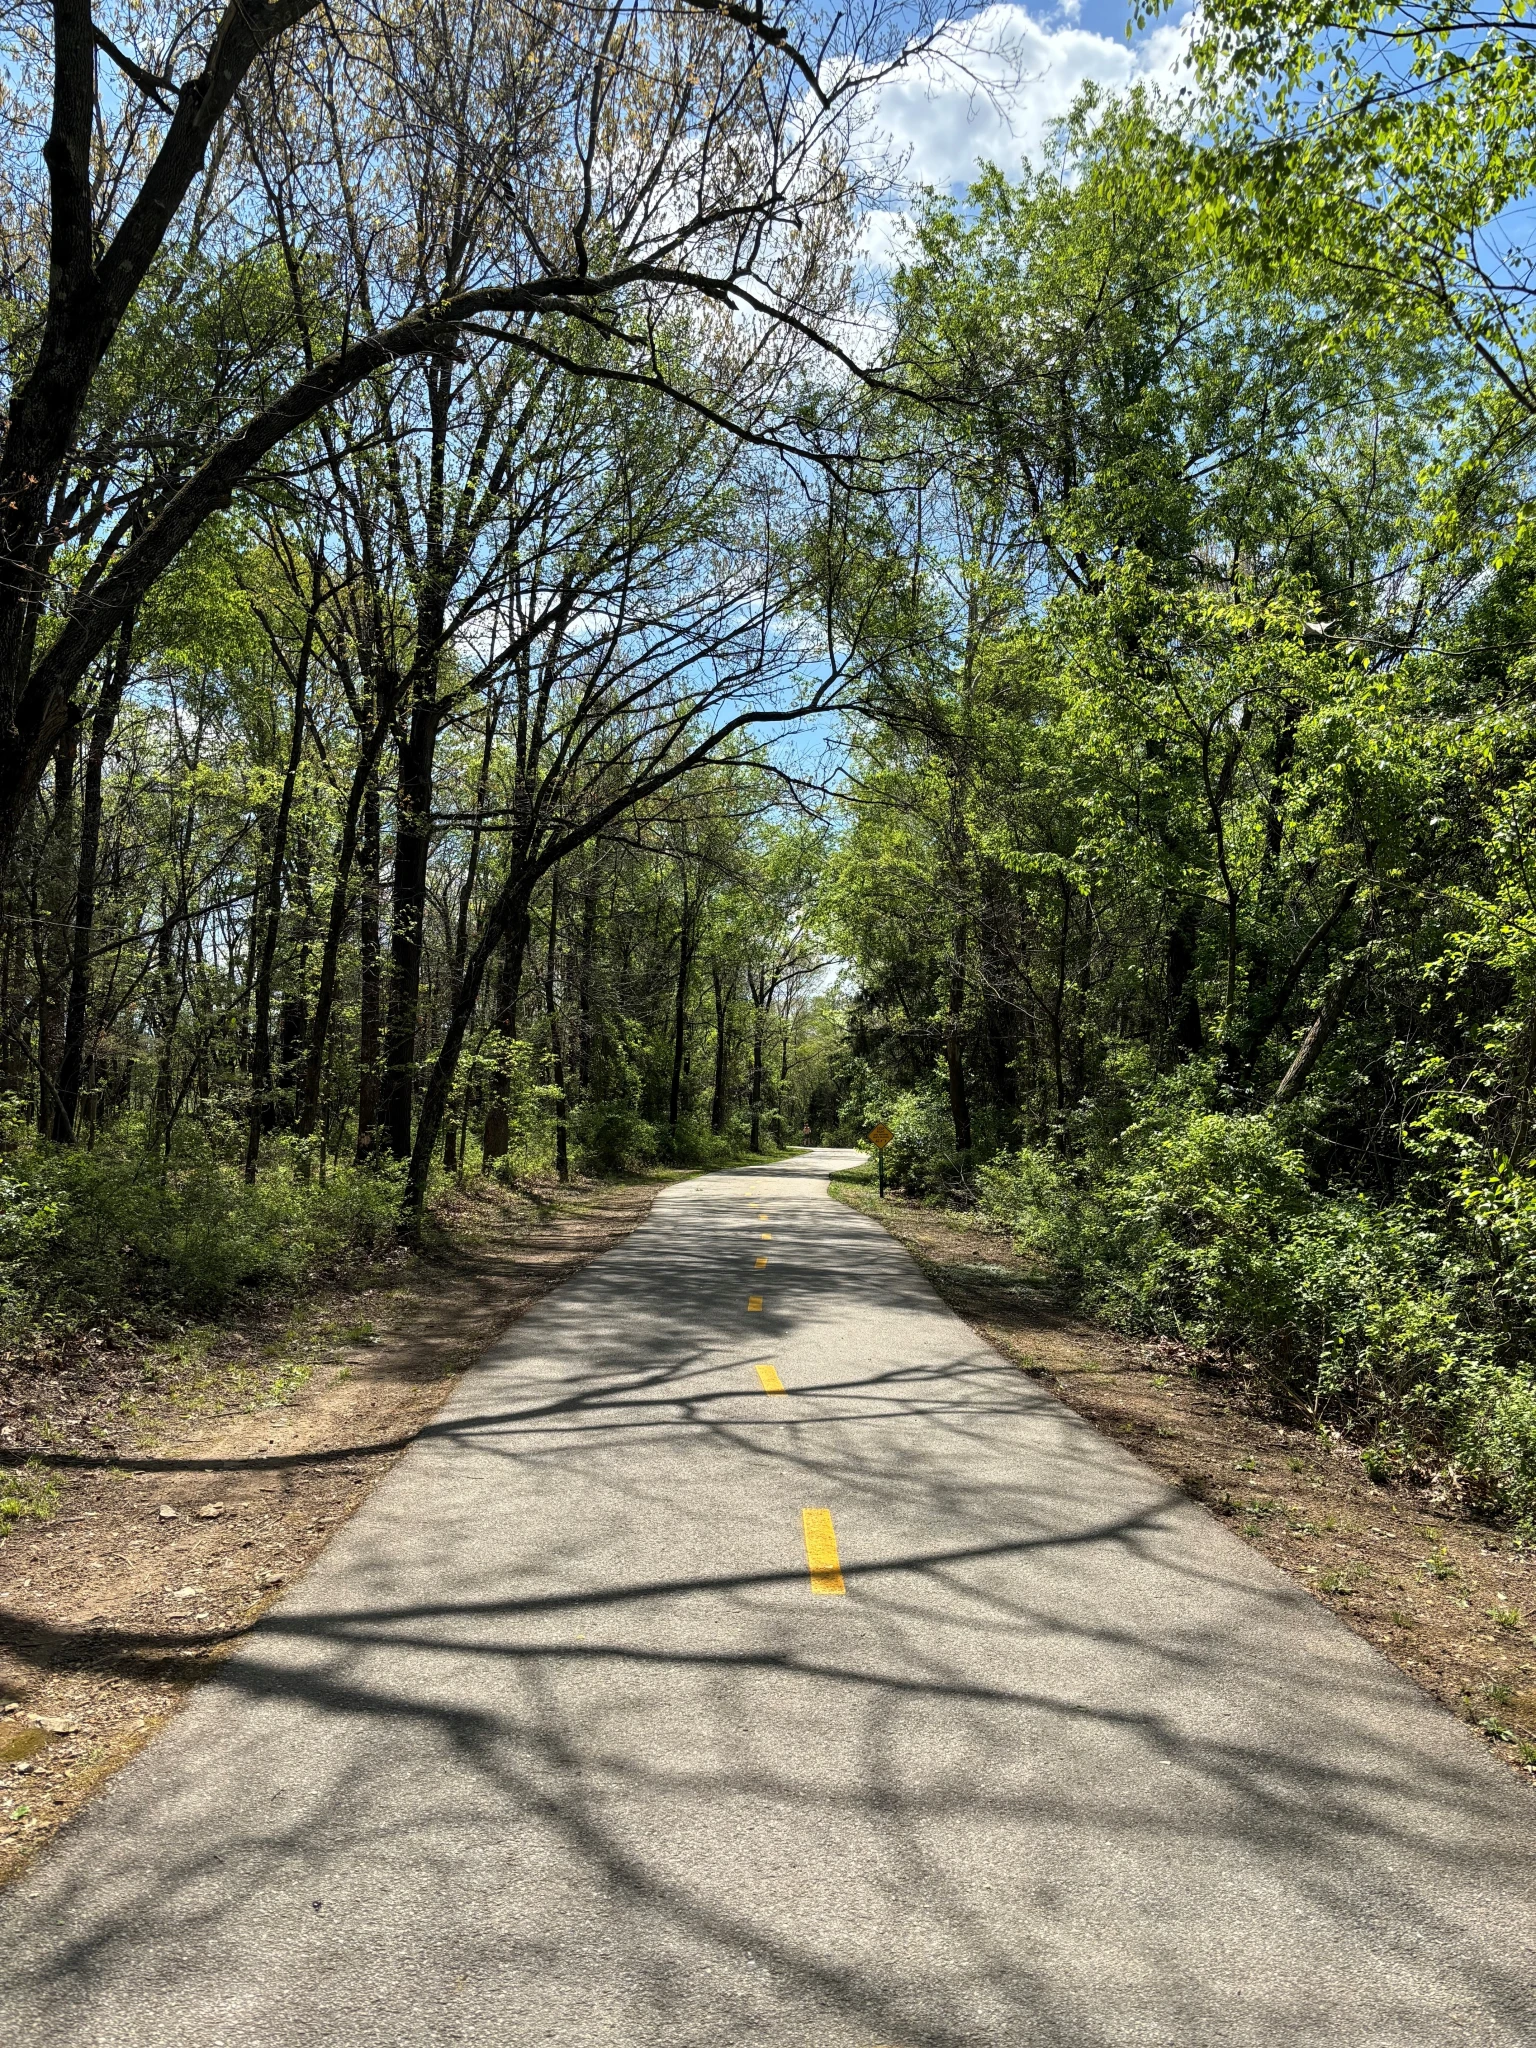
x=558 y=1731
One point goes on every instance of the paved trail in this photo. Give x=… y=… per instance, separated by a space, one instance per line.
x=558 y=1744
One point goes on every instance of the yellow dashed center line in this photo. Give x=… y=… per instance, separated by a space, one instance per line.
x=759 y=1263
x=821 y=1551
x=766 y=1236
x=772 y=1384
x=754 y=1301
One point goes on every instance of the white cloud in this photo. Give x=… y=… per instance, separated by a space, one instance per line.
x=991 y=89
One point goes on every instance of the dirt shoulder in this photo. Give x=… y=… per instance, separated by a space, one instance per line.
x=1450 y=1600
x=178 y=1492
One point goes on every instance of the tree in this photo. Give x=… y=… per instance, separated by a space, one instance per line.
x=1116 y=604
x=487 y=172
x=1391 y=145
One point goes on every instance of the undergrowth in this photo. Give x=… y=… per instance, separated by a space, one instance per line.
x=1409 y=1323
x=120 y=1235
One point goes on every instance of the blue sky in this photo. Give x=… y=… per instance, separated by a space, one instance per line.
x=941 y=121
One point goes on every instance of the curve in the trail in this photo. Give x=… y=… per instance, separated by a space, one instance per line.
x=792 y=1673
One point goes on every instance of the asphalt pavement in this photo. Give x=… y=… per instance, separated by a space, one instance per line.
x=646 y=1705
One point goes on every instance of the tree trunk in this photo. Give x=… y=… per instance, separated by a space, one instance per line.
x=408 y=905
x=685 y=949
x=369 y=991
x=72 y=1065
x=261 y=1032
x=717 y=1099
x=1059 y=1005
x=756 y=1139
x=1183 y=997
x=557 y=1064
x=168 y=1001
x=1317 y=1034
x=1266 y=1018
x=509 y=985
x=587 y=974
x=293 y=1018
x=472 y=867
x=413 y=816
x=364 y=785
x=959 y=1100
x=509 y=915
x=90 y=291
x=56 y=890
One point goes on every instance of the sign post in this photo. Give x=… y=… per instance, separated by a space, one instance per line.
x=880 y=1137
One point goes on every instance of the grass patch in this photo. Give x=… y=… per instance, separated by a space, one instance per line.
x=28 y=1495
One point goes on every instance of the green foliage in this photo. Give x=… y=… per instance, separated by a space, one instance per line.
x=1390 y=146
x=1190 y=875
x=1207 y=1227
x=117 y=1232
x=922 y=1158
x=610 y=1139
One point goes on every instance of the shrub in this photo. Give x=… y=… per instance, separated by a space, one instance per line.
x=614 y=1140
x=1186 y=1235
x=1376 y=1311
x=922 y=1158
x=1409 y=1326
x=87 y=1235
x=693 y=1143
x=1493 y=1434
x=1029 y=1193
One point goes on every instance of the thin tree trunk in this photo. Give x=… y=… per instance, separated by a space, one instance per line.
x=467 y=893
x=168 y=996
x=756 y=1139
x=103 y=719
x=586 y=979
x=363 y=784
x=261 y=1036
x=509 y=984
x=369 y=993
x=1183 y=997
x=685 y=948
x=293 y=1031
x=959 y=1100
x=509 y=916
x=55 y=952
x=408 y=904
x=562 y=1162
x=413 y=820
x=1059 y=1007
x=1262 y=1026
x=717 y=1100
x=1317 y=1034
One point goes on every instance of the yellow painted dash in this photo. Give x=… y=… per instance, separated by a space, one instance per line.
x=754 y=1301
x=821 y=1551
x=759 y=1263
x=772 y=1384
x=766 y=1236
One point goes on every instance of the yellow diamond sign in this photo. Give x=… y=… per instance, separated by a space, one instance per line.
x=881 y=1136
